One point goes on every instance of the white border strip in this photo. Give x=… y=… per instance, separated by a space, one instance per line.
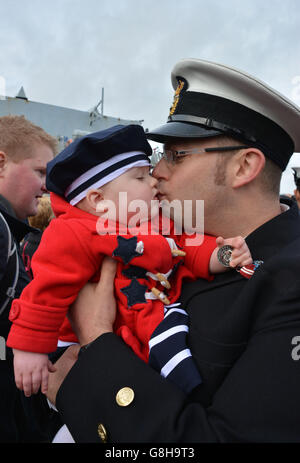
x=174 y=361
x=99 y=168
x=166 y=334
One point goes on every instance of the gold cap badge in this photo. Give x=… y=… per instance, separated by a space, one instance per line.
x=181 y=85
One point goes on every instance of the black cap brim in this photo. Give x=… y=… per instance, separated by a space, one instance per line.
x=171 y=130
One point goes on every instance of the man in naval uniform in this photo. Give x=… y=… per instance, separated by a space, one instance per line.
x=244 y=334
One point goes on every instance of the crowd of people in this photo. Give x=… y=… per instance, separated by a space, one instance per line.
x=139 y=337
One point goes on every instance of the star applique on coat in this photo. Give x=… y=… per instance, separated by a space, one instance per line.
x=126 y=249
x=135 y=293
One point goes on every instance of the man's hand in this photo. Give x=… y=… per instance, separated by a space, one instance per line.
x=94 y=311
x=62 y=368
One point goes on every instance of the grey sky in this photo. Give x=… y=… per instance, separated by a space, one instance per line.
x=65 y=51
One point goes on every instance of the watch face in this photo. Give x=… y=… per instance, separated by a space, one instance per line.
x=224 y=255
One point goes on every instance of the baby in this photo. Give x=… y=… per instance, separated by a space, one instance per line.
x=85 y=180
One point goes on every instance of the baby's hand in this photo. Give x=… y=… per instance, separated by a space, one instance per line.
x=240 y=254
x=32 y=371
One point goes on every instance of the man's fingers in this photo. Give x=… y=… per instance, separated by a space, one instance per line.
x=51 y=367
x=62 y=366
x=72 y=352
x=108 y=273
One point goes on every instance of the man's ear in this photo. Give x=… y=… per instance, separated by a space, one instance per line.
x=247 y=166
x=3 y=160
x=94 y=197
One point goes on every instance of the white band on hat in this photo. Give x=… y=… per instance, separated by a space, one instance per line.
x=108 y=178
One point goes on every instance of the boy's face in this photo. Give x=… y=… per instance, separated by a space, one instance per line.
x=23 y=182
x=133 y=192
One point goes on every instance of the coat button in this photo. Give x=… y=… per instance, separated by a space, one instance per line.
x=102 y=433
x=125 y=396
x=14 y=311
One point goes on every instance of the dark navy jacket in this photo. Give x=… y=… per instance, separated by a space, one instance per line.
x=21 y=419
x=18 y=230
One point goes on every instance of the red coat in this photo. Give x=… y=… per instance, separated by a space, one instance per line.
x=70 y=255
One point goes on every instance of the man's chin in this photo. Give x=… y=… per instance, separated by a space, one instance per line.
x=24 y=216
x=31 y=212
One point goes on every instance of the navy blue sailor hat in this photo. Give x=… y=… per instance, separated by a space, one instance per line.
x=213 y=99
x=95 y=159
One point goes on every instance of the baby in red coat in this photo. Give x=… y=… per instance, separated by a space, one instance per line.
x=85 y=181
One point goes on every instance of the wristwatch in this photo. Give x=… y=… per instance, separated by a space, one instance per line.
x=224 y=255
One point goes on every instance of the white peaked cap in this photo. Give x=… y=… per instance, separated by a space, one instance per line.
x=213 y=99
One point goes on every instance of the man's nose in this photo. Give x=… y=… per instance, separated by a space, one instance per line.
x=153 y=182
x=161 y=170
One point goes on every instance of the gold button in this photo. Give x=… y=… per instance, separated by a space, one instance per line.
x=125 y=396
x=102 y=433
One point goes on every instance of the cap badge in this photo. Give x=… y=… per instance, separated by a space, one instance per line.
x=182 y=84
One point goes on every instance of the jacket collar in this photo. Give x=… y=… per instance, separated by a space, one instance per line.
x=18 y=227
x=267 y=240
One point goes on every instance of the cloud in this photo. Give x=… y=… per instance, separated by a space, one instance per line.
x=64 y=51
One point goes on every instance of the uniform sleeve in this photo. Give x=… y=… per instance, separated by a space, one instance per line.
x=61 y=266
x=257 y=402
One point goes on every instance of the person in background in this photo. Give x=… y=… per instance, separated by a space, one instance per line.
x=40 y=222
x=25 y=150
